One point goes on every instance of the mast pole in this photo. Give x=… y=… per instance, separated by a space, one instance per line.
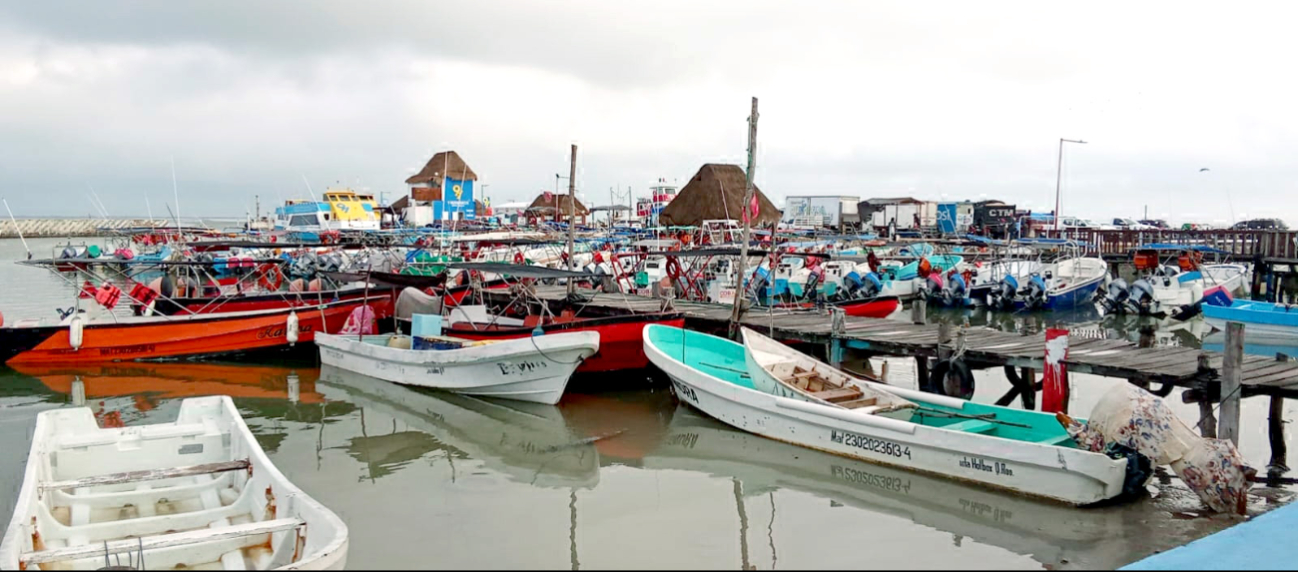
x=737 y=310
x=572 y=216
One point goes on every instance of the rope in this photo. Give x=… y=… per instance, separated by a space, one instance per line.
x=538 y=350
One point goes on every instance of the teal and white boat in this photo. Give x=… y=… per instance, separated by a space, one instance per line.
x=1020 y=451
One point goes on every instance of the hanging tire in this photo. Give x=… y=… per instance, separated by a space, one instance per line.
x=957 y=373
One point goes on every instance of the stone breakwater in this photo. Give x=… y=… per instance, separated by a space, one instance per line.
x=54 y=227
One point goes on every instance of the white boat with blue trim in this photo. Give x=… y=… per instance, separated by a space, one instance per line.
x=535 y=368
x=1015 y=450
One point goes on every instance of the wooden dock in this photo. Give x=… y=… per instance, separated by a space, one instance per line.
x=984 y=347
x=1205 y=374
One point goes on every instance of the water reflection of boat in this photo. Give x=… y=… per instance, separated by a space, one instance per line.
x=1147 y=331
x=167 y=380
x=1050 y=533
x=1254 y=344
x=530 y=443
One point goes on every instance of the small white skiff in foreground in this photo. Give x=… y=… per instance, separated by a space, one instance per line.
x=195 y=494
x=535 y=368
x=1022 y=451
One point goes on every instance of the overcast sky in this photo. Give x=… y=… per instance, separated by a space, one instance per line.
x=952 y=100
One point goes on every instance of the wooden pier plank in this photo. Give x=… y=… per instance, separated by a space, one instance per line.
x=1117 y=358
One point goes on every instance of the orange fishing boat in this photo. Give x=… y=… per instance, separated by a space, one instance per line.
x=113 y=339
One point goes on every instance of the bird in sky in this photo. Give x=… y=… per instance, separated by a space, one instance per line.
x=1203 y=169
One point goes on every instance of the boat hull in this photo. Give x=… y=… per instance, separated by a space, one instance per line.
x=1260 y=319
x=202 y=335
x=535 y=369
x=69 y=445
x=878 y=307
x=620 y=343
x=261 y=301
x=1057 y=473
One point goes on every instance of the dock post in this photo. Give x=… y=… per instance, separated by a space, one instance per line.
x=1255 y=290
x=1279 y=464
x=1029 y=394
x=1054 y=397
x=1231 y=372
x=837 y=326
x=919 y=311
x=1207 y=421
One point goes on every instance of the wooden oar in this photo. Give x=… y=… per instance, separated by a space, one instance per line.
x=988 y=417
x=743 y=373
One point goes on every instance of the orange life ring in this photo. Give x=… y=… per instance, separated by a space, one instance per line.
x=271 y=276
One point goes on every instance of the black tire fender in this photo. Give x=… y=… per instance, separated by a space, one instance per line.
x=952 y=367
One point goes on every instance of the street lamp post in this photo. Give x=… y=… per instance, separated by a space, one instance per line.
x=1059 y=173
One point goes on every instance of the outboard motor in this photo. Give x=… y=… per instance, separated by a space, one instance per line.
x=1114 y=300
x=955 y=291
x=330 y=262
x=1033 y=295
x=759 y=284
x=1141 y=300
x=931 y=287
x=1001 y=296
x=813 y=281
x=866 y=285
x=303 y=266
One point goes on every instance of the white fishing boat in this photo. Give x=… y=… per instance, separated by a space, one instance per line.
x=780 y=370
x=1064 y=284
x=996 y=283
x=1021 y=451
x=198 y=493
x=535 y=368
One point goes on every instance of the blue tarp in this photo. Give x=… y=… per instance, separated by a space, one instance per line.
x=1264 y=543
x=1178 y=247
x=984 y=240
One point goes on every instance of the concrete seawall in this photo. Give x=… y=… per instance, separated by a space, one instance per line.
x=54 y=227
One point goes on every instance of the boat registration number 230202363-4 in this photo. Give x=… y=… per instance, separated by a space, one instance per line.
x=869 y=443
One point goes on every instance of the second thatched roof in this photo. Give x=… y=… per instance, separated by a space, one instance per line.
x=547 y=207
x=441 y=164
x=716 y=192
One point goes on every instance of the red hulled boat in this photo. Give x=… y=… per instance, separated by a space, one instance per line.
x=113 y=338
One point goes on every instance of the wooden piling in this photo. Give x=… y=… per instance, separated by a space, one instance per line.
x=1029 y=394
x=919 y=311
x=1279 y=464
x=837 y=327
x=1232 y=368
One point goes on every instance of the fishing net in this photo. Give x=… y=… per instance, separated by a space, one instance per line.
x=1128 y=418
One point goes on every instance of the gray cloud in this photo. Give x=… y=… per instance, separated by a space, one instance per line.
x=862 y=99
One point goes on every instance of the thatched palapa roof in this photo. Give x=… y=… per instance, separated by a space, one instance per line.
x=716 y=192
x=441 y=164
x=557 y=201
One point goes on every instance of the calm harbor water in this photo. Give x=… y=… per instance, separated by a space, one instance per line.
x=618 y=475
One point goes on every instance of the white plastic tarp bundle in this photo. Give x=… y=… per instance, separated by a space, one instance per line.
x=412 y=301
x=1130 y=416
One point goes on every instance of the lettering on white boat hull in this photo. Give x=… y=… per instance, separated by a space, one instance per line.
x=520 y=367
x=869 y=443
x=685 y=390
x=995 y=467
